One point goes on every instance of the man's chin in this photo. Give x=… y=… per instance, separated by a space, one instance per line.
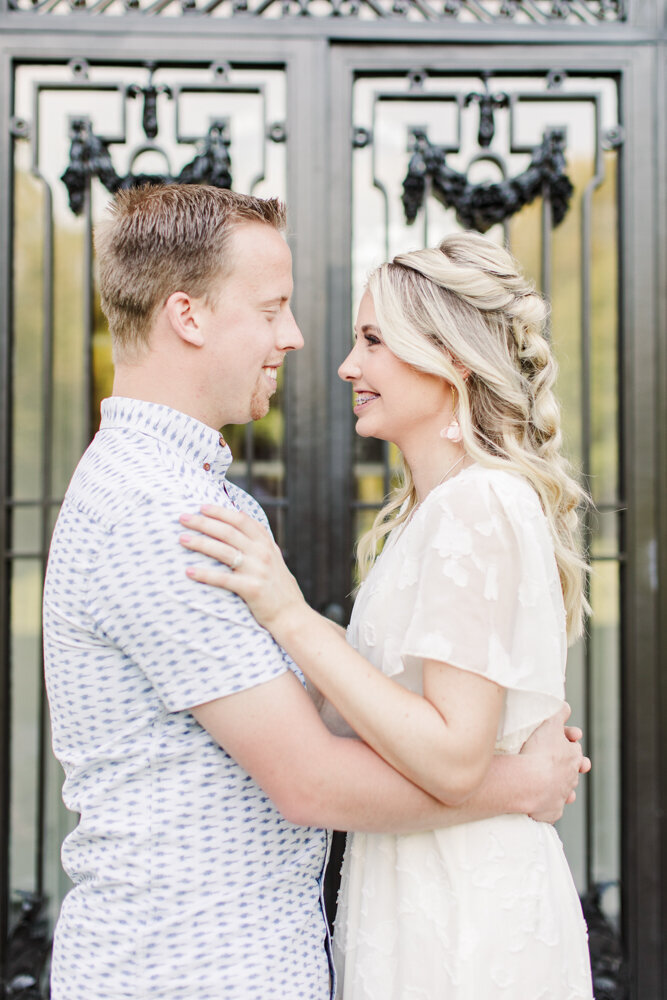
x=259 y=408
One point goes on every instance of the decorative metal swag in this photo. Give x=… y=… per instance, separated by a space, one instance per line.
x=480 y=206
x=90 y=157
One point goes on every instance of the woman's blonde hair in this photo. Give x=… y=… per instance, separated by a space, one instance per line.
x=465 y=312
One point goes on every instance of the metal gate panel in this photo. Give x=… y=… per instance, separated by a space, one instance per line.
x=59 y=362
x=625 y=510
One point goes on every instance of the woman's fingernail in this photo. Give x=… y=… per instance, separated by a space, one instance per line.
x=185 y=539
x=185 y=518
x=205 y=509
x=189 y=571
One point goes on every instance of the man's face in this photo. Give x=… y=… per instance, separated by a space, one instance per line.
x=250 y=328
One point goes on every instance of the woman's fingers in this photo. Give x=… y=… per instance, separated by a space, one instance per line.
x=574 y=735
x=223 y=531
x=215 y=576
x=212 y=518
x=222 y=551
x=214 y=538
x=259 y=574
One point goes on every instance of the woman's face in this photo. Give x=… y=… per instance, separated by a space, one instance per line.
x=393 y=401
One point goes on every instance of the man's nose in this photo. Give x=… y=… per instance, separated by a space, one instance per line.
x=290 y=337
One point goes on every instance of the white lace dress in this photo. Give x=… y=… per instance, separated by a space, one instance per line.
x=487 y=910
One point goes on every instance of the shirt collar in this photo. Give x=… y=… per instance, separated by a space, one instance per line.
x=195 y=442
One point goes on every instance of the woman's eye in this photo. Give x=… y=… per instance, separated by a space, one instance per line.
x=370 y=339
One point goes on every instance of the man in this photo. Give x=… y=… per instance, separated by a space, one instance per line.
x=203 y=776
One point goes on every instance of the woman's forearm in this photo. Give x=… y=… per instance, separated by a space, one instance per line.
x=402 y=727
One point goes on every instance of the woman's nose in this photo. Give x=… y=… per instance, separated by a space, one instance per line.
x=349 y=369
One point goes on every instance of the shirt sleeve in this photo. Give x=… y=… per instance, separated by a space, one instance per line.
x=193 y=643
x=488 y=594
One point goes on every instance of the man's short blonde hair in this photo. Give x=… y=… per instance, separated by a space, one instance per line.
x=161 y=239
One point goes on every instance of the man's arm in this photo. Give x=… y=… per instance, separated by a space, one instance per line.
x=317 y=779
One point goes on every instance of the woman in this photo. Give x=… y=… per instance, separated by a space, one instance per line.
x=457 y=643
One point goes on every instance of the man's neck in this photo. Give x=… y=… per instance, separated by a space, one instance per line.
x=142 y=382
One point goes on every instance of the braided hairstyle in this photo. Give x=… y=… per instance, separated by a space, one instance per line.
x=465 y=312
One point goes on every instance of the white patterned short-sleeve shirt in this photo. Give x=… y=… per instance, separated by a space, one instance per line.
x=188 y=882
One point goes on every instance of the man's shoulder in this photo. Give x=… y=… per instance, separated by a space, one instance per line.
x=121 y=474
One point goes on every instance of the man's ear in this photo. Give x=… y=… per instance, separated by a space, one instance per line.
x=183 y=313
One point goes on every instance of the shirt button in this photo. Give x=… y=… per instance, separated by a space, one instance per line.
x=207 y=467
x=222 y=442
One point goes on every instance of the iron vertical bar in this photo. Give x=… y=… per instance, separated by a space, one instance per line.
x=661 y=424
x=585 y=454
x=507 y=236
x=6 y=312
x=309 y=429
x=644 y=885
x=46 y=484
x=586 y=435
x=546 y=263
x=249 y=449
x=339 y=215
x=387 y=469
x=377 y=183
x=88 y=371
x=586 y=422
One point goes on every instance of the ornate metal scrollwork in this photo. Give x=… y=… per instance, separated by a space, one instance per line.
x=610 y=975
x=480 y=206
x=90 y=157
x=213 y=164
x=90 y=154
x=150 y=94
x=488 y=103
x=29 y=950
x=425 y=11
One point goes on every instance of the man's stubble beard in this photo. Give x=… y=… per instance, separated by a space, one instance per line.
x=259 y=404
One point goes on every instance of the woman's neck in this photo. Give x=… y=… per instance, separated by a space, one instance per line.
x=431 y=467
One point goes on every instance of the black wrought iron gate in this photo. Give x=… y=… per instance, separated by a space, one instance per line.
x=384 y=124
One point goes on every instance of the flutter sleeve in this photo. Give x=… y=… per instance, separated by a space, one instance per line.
x=488 y=595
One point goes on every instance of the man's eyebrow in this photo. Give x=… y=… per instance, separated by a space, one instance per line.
x=276 y=298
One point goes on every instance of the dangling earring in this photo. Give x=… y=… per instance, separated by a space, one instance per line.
x=452 y=431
